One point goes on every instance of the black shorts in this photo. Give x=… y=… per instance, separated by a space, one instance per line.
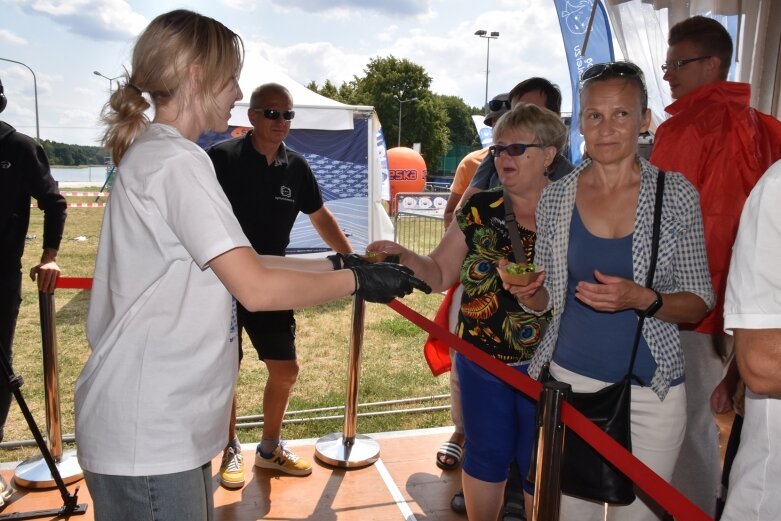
x=272 y=333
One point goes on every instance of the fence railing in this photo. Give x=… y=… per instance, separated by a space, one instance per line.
x=418 y=222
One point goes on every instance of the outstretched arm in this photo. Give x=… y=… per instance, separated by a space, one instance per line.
x=328 y=229
x=440 y=269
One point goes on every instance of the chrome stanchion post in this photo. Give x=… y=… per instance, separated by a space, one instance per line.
x=550 y=447
x=34 y=472
x=348 y=449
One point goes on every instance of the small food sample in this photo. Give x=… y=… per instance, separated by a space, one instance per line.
x=521 y=274
x=375 y=256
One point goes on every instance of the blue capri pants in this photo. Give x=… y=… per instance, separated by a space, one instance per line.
x=499 y=424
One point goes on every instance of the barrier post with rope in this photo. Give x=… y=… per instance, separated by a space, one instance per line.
x=655 y=487
x=348 y=449
x=35 y=472
x=550 y=449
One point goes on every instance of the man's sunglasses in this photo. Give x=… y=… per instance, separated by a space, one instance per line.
x=628 y=69
x=499 y=104
x=515 y=149
x=274 y=114
x=677 y=64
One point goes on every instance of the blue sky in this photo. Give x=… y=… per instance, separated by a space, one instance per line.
x=64 y=41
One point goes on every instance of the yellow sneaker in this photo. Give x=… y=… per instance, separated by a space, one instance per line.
x=232 y=469
x=284 y=460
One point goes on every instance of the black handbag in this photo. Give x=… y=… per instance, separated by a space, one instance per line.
x=584 y=472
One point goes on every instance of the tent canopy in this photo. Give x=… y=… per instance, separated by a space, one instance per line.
x=313 y=111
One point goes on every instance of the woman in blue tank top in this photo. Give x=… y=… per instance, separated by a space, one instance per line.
x=594 y=242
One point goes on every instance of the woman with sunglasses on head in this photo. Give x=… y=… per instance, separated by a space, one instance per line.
x=154 y=397
x=594 y=242
x=498 y=420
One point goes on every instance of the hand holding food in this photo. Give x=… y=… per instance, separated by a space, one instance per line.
x=519 y=274
x=380 y=256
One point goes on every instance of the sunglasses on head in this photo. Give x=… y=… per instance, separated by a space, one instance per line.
x=515 y=149
x=677 y=64
x=627 y=69
x=499 y=104
x=274 y=114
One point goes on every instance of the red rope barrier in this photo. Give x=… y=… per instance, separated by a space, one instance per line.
x=655 y=487
x=74 y=283
x=646 y=479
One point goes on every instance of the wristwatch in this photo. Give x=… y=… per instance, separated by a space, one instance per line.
x=654 y=307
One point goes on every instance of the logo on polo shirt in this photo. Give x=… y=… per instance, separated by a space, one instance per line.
x=285 y=194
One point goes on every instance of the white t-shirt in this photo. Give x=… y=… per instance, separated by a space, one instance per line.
x=155 y=394
x=753 y=301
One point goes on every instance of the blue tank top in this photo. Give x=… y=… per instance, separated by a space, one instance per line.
x=594 y=343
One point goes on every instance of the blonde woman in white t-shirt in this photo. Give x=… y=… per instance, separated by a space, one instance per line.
x=152 y=401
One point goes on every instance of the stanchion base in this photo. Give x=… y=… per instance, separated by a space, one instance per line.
x=34 y=473
x=333 y=450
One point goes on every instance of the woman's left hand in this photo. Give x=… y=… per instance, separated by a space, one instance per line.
x=611 y=293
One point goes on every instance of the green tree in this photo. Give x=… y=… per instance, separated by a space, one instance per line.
x=460 y=125
x=343 y=94
x=388 y=80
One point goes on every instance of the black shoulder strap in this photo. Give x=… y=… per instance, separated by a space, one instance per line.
x=512 y=229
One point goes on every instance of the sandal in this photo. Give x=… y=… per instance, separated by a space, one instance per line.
x=449 y=455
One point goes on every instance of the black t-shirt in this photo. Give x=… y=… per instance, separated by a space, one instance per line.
x=266 y=198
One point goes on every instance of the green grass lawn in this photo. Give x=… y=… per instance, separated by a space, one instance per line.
x=392 y=363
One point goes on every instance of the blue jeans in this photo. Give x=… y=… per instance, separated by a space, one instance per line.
x=182 y=496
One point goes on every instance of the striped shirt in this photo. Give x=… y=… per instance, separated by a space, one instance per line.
x=681 y=266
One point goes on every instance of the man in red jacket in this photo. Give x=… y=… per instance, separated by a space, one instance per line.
x=722 y=146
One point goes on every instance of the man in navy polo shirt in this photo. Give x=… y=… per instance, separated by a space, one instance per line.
x=268 y=184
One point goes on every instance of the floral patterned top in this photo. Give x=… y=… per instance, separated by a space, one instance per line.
x=490 y=318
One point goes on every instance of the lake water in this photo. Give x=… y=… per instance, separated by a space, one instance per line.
x=80 y=174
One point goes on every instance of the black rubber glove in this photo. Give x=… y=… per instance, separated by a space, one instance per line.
x=382 y=282
x=349 y=260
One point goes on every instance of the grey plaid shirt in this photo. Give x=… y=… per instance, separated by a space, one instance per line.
x=682 y=263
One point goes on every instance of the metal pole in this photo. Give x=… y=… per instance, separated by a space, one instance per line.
x=34 y=472
x=550 y=447
x=110 y=91
x=350 y=450
x=487 y=58
x=398 y=142
x=35 y=91
x=50 y=376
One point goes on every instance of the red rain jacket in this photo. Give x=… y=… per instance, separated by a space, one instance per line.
x=723 y=147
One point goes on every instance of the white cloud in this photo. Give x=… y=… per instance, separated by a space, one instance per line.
x=98 y=20
x=248 y=6
x=388 y=34
x=9 y=37
x=347 y=8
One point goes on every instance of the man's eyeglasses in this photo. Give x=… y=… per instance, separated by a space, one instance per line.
x=677 y=64
x=515 y=149
x=498 y=104
x=628 y=69
x=274 y=114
